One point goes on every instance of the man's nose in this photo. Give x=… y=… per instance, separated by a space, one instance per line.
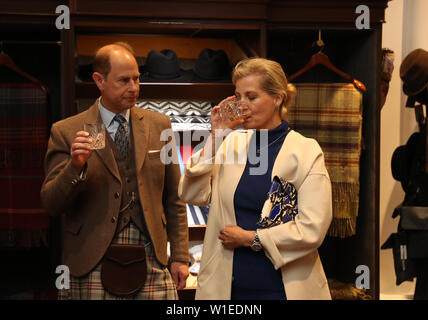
x=134 y=85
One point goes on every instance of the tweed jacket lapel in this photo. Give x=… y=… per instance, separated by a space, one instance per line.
x=106 y=154
x=140 y=131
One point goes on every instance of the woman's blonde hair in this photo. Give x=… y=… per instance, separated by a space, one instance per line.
x=273 y=79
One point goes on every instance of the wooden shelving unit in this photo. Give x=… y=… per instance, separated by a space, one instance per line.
x=180 y=91
x=283 y=30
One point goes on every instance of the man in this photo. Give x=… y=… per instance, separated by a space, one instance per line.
x=120 y=202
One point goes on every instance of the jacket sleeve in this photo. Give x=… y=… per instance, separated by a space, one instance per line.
x=195 y=182
x=290 y=241
x=62 y=182
x=174 y=208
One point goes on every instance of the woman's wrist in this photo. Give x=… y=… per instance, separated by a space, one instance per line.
x=249 y=238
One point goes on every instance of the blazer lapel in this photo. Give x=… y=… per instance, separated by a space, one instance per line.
x=140 y=131
x=106 y=155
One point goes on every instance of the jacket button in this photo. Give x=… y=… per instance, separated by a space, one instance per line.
x=116 y=195
x=113 y=219
x=74 y=181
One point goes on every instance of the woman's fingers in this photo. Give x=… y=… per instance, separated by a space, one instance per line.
x=234 y=123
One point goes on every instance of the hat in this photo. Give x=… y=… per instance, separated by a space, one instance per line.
x=406 y=159
x=212 y=66
x=163 y=66
x=414 y=72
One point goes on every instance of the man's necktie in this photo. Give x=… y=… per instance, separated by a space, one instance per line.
x=121 y=137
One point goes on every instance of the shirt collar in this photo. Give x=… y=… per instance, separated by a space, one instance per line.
x=107 y=115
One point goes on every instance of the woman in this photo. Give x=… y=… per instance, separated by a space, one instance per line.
x=259 y=247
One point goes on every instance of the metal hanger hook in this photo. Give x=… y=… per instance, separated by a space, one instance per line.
x=320 y=43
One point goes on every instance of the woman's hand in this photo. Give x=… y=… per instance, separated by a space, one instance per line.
x=217 y=123
x=219 y=127
x=233 y=236
x=219 y=130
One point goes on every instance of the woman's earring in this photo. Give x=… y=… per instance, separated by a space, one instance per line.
x=276 y=108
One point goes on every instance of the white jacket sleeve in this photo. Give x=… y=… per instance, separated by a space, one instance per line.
x=195 y=182
x=295 y=239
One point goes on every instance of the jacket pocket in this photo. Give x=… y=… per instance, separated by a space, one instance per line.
x=153 y=154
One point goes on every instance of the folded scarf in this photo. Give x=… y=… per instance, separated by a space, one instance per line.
x=332 y=115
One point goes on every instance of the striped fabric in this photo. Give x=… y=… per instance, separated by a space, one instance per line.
x=332 y=114
x=159 y=284
x=177 y=107
x=24 y=134
x=184 y=115
x=197 y=215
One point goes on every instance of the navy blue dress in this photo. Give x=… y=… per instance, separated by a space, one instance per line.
x=254 y=277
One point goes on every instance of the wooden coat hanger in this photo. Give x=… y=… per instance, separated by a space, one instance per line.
x=321 y=58
x=7 y=61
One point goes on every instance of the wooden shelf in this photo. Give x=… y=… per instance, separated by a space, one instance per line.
x=197 y=233
x=187 y=294
x=181 y=91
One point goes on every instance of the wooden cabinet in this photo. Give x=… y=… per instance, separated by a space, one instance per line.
x=283 y=30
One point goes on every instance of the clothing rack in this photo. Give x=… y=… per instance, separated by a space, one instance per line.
x=322 y=59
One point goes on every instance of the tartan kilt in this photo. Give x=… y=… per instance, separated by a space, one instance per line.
x=158 y=286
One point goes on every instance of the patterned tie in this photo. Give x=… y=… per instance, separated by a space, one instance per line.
x=121 y=137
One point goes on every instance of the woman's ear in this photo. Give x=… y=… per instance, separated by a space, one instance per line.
x=98 y=79
x=278 y=98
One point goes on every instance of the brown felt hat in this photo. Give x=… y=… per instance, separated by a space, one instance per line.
x=414 y=72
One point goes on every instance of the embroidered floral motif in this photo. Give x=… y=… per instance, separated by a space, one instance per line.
x=283 y=196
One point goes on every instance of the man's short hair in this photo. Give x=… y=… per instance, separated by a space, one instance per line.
x=101 y=62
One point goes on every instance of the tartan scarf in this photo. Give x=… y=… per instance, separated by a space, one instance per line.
x=332 y=115
x=24 y=133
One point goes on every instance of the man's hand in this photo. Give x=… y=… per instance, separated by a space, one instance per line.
x=179 y=272
x=80 y=151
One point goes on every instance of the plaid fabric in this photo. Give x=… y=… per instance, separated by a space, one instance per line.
x=24 y=134
x=332 y=114
x=159 y=284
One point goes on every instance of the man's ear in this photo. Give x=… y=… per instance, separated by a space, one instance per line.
x=99 y=80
